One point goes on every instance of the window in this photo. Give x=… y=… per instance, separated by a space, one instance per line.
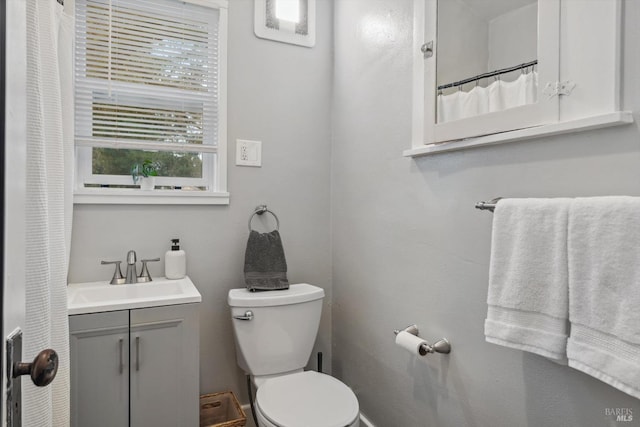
x=287 y=21
x=150 y=86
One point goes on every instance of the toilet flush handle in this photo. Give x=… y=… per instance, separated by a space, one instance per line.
x=248 y=315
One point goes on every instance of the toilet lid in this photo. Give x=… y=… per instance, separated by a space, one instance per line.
x=308 y=399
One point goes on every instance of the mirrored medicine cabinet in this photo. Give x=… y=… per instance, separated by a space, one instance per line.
x=493 y=71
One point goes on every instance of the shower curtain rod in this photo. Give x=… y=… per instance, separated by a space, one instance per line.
x=489 y=74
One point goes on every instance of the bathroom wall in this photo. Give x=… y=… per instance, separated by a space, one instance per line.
x=463 y=42
x=279 y=94
x=409 y=247
x=513 y=37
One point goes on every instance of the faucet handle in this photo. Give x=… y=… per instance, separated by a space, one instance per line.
x=118 y=278
x=144 y=272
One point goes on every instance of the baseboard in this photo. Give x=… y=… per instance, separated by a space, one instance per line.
x=364 y=421
x=247 y=411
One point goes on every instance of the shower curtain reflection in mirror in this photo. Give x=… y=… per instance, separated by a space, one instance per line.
x=487 y=56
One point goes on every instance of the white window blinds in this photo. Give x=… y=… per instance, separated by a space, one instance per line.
x=147 y=75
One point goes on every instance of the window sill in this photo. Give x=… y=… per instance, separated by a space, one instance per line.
x=151 y=197
x=595 y=122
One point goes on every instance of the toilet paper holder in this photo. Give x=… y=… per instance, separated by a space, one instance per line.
x=441 y=346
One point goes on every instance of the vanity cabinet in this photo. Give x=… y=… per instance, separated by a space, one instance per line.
x=135 y=367
x=99 y=369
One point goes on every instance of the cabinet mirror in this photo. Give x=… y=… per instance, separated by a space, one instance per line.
x=496 y=71
x=492 y=59
x=487 y=57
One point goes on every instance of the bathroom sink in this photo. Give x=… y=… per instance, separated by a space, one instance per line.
x=94 y=297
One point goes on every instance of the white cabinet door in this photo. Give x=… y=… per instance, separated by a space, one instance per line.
x=164 y=366
x=578 y=54
x=544 y=111
x=100 y=369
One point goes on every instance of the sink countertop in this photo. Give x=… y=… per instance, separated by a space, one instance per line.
x=95 y=297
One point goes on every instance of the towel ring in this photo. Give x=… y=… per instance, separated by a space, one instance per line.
x=259 y=211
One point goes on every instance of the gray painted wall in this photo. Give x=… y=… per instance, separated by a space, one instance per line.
x=408 y=246
x=513 y=38
x=463 y=43
x=280 y=94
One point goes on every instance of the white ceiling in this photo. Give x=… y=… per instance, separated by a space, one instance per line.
x=490 y=9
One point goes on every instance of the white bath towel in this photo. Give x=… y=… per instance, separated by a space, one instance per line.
x=604 y=290
x=528 y=284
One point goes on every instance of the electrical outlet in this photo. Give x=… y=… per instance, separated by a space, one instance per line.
x=248 y=153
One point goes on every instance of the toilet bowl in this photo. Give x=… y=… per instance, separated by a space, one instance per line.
x=308 y=399
x=275 y=332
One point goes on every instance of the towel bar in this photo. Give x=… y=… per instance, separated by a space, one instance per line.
x=259 y=211
x=488 y=206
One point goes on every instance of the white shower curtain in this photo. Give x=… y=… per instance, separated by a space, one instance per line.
x=48 y=205
x=498 y=96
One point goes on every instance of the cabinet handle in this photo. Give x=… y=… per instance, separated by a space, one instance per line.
x=137 y=353
x=121 y=345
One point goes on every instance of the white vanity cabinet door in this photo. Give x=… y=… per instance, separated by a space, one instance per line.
x=164 y=366
x=99 y=346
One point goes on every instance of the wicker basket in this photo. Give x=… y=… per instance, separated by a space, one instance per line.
x=221 y=410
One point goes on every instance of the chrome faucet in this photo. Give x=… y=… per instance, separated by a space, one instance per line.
x=131 y=276
x=145 y=276
x=118 y=278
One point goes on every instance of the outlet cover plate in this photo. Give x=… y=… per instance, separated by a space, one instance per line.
x=248 y=153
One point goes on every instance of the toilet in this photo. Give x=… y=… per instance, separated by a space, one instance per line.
x=275 y=332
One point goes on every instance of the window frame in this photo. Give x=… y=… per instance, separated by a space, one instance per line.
x=214 y=165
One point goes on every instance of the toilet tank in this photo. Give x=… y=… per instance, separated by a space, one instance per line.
x=280 y=336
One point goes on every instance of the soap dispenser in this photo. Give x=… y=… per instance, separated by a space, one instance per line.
x=175 y=261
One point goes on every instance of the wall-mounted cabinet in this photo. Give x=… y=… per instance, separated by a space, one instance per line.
x=135 y=367
x=489 y=71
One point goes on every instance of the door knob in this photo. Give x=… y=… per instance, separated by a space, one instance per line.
x=42 y=370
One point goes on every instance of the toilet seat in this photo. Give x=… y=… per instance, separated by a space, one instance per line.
x=308 y=399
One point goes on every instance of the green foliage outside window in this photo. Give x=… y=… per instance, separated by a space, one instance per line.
x=111 y=161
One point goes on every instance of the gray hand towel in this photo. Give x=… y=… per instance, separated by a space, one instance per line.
x=265 y=267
